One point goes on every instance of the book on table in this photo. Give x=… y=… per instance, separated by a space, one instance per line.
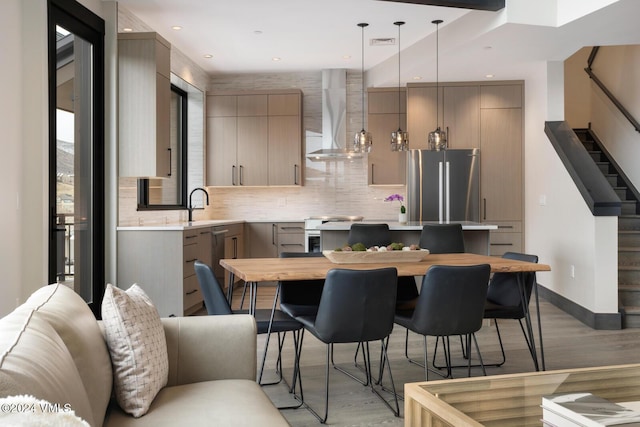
x=586 y=410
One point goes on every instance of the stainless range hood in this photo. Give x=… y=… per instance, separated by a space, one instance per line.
x=334 y=118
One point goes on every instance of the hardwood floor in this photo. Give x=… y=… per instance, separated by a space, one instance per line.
x=567 y=344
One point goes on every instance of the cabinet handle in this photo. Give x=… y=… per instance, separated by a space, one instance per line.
x=233 y=175
x=235 y=247
x=241 y=175
x=190 y=237
x=505 y=226
x=273 y=234
x=291 y=244
x=191 y=260
x=192 y=292
x=501 y=244
x=372 y=179
x=169 y=160
x=292 y=228
x=295 y=175
x=484 y=208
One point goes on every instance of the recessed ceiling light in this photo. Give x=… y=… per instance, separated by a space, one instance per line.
x=275 y=58
x=346 y=56
x=127 y=30
x=489 y=76
x=488 y=47
x=257 y=32
x=176 y=27
x=417 y=77
x=208 y=56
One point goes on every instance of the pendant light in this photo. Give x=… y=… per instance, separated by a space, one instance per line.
x=437 y=138
x=363 y=141
x=399 y=139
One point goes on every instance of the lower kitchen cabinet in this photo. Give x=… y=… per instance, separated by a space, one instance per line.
x=269 y=239
x=507 y=238
x=162 y=263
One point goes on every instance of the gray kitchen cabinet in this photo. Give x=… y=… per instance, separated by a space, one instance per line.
x=269 y=239
x=254 y=138
x=385 y=166
x=458 y=113
x=262 y=240
x=290 y=237
x=161 y=262
x=501 y=160
x=144 y=97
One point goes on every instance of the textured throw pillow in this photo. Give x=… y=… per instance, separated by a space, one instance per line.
x=137 y=345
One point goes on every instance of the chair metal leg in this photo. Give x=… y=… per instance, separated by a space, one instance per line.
x=484 y=372
x=385 y=360
x=364 y=382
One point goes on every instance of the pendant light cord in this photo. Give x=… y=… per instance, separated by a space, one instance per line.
x=437 y=22
x=399 y=23
x=362 y=56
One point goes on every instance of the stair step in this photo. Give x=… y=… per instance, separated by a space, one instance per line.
x=603 y=166
x=595 y=155
x=612 y=178
x=628 y=223
x=628 y=206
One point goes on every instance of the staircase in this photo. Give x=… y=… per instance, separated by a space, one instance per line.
x=628 y=232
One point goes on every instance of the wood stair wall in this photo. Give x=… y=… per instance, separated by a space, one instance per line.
x=628 y=232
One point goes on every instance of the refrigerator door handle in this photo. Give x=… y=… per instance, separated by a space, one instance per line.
x=447 y=193
x=440 y=193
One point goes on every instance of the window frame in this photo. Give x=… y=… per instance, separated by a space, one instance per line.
x=143 y=183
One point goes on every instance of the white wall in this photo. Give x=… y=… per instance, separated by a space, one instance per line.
x=24 y=124
x=619 y=69
x=562 y=230
x=10 y=172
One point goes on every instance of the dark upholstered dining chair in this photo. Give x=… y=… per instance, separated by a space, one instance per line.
x=451 y=302
x=505 y=300
x=357 y=306
x=442 y=238
x=380 y=235
x=217 y=304
x=300 y=297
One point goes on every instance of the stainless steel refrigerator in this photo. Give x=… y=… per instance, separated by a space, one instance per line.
x=443 y=185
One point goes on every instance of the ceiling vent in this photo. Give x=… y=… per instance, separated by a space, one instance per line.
x=390 y=41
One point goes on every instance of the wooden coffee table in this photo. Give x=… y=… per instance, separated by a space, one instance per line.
x=511 y=400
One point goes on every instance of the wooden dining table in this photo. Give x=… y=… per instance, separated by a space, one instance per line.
x=256 y=270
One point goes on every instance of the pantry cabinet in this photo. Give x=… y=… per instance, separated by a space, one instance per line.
x=144 y=98
x=254 y=138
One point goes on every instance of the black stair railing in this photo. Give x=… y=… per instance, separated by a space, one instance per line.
x=596 y=191
x=607 y=92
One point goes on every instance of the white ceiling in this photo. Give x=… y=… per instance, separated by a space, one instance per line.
x=317 y=34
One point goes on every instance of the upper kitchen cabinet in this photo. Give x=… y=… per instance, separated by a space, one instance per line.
x=144 y=97
x=254 y=138
x=458 y=113
x=386 y=111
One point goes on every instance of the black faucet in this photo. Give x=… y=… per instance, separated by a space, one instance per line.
x=190 y=207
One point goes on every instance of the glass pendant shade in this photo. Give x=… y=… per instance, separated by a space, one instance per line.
x=362 y=142
x=437 y=139
x=399 y=140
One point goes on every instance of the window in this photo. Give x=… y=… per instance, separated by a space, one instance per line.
x=171 y=192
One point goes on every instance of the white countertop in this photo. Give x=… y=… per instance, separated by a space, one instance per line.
x=411 y=225
x=181 y=226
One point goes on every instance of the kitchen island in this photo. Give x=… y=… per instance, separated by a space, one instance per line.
x=476 y=235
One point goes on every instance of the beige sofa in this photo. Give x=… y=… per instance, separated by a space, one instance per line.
x=52 y=348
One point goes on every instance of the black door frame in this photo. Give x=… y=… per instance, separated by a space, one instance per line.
x=81 y=21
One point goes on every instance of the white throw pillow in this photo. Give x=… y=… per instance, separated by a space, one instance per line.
x=137 y=345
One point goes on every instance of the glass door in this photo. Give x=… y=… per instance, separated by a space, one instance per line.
x=76 y=190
